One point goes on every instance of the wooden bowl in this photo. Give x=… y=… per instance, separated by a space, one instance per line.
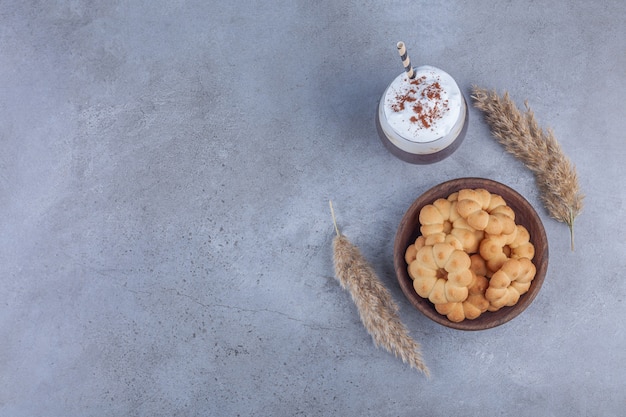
x=409 y=230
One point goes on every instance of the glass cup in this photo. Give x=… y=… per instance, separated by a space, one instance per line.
x=422 y=120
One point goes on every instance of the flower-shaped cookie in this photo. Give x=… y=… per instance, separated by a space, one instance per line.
x=486 y=211
x=441 y=273
x=496 y=250
x=509 y=282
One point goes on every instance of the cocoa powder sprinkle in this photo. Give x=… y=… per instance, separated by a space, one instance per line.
x=425 y=115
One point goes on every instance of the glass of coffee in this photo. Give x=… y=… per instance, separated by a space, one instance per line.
x=422 y=119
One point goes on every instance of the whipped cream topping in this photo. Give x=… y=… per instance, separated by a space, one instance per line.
x=425 y=108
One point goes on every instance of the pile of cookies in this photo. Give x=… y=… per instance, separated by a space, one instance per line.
x=471 y=256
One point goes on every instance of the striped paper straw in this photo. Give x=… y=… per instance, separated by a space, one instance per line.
x=406 y=61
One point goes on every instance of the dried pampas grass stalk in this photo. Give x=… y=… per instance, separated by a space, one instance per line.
x=538 y=149
x=378 y=311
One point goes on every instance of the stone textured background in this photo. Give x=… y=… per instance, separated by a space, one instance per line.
x=165 y=237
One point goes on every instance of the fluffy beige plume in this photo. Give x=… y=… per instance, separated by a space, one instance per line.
x=378 y=311
x=538 y=149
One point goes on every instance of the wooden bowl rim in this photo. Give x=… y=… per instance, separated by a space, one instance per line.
x=525 y=215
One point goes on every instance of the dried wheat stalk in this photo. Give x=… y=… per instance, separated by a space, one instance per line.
x=378 y=311
x=538 y=149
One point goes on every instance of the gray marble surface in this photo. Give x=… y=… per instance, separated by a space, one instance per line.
x=165 y=237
